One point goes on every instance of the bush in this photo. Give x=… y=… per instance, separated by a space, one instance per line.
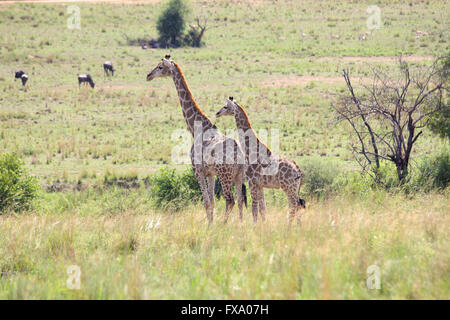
x=319 y=175
x=172 y=22
x=434 y=172
x=387 y=175
x=354 y=183
x=172 y=191
x=188 y=179
x=17 y=188
x=193 y=38
x=440 y=122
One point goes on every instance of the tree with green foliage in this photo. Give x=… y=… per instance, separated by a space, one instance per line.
x=440 y=121
x=172 y=22
x=17 y=188
x=434 y=171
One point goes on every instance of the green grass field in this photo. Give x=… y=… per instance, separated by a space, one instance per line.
x=281 y=60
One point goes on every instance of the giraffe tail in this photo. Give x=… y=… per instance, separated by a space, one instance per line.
x=302 y=203
x=244 y=194
x=218 y=189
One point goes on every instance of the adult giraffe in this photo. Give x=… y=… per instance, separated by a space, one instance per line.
x=212 y=153
x=263 y=169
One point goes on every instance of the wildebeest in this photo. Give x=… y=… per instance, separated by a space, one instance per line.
x=108 y=67
x=22 y=76
x=86 y=78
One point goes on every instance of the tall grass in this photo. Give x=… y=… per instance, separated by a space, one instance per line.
x=131 y=251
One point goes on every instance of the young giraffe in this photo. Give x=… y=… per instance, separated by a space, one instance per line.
x=219 y=155
x=263 y=170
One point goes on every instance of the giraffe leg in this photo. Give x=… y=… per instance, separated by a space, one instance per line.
x=206 y=201
x=262 y=204
x=254 y=192
x=240 y=196
x=211 y=185
x=300 y=213
x=297 y=200
x=228 y=195
x=293 y=205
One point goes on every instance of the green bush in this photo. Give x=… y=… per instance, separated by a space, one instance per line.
x=188 y=179
x=433 y=172
x=17 y=188
x=387 y=175
x=353 y=182
x=172 y=191
x=193 y=38
x=440 y=122
x=319 y=175
x=172 y=22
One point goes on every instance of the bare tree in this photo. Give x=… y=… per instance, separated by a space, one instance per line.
x=197 y=31
x=387 y=116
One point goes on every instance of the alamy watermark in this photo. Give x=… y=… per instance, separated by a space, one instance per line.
x=210 y=147
x=74 y=279
x=74 y=19
x=374 y=20
x=153 y=224
x=374 y=277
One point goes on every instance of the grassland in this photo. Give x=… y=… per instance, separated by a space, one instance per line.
x=255 y=52
x=122 y=257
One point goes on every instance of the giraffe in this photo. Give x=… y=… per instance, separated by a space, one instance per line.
x=263 y=169
x=212 y=154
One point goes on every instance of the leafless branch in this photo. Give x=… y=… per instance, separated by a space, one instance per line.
x=387 y=114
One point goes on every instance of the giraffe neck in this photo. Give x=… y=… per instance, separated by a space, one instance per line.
x=243 y=124
x=191 y=111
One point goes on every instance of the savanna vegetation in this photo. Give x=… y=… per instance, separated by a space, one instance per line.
x=95 y=184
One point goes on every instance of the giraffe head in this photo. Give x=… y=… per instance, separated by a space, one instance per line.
x=163 y=69
x=229 y=109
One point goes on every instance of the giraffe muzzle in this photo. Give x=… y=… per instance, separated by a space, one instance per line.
x=149 y=77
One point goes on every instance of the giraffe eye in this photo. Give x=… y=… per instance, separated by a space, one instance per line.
x=160 y=67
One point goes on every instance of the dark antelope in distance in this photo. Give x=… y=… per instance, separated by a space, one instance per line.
x=22 y=76
x=86 y=78
x=108 y=67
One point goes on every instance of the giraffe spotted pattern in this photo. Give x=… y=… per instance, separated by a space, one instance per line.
x=263 y=169
x=212 y=153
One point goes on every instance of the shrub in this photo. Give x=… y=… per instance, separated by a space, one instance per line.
x=319 y=175
x=387 y=175
x=17 y=188
x=193 y=188
x=172 y=22
x=434 y=172
x=440 y=122
x=172 y=191
x=353 y=183
x=193 y=38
